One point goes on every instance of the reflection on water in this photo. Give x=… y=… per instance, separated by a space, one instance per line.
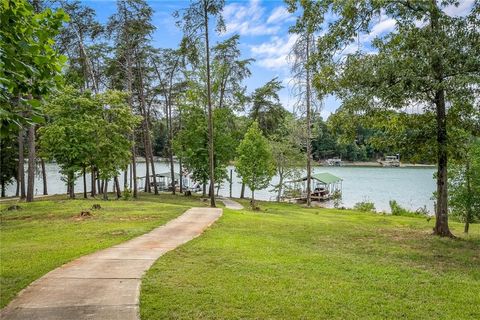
x=410 y=187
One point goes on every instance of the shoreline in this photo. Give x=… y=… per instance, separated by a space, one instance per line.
x=375 y=164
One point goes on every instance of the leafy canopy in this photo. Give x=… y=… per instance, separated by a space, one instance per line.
x=254 y=159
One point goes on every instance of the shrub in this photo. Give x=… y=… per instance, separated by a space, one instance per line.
x=398 y=210
x=127 y=194
x=364 y=206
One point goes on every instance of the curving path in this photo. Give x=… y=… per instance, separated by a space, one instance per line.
x=231 y=204
x=106 y=284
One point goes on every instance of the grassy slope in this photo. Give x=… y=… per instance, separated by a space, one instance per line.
x=293 y=263
x=47 y=233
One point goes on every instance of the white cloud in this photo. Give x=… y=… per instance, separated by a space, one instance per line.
x=251 y=19
x=246 y=19
x=384 y=26
x=274 y=53
x=280 y=14
x=462 y=9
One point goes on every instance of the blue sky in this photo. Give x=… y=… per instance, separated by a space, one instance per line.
x=263 y=29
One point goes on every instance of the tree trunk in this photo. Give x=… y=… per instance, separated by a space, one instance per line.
x=84 y=183
x=94 y=191
x=44 y=177
x=17 y=191
x=134 y=173
x=242 y=191
x=204 y=188
x=231 y=182
x=21 y=163
x=2 y=152
x=131 y=177
x=441 y=222
x=71 y=186
x=280 y=186
x=170 y=148
x=181 y=174
x=146 y=131
x=105 y=189
x=308 y=142
x=125 y=178
x=117 y=187
x=469 y=211
x=147 y=174
x=99 y=183
x=210 y=111
x=252 y=202
x=31 y=163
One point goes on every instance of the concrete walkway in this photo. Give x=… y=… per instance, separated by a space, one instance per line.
x=106 y=284
x=231 y=204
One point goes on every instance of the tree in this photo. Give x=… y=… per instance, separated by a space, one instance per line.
x=82 y=28
x=229 y=71
x=191 y=142
x=266 y=108
x=464 y=185
x=431 y=59
x=195 y=25
x=288 y=159
x=255 y=163
x=169 y=66
x=130 y=29
x=303 y=49
x=29 y=69
x=8 y=161
x=29 y=65
x=87 y=130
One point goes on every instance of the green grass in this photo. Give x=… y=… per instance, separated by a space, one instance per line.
x=289 y=262
x=49 y=232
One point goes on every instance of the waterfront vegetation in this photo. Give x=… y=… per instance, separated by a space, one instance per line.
x=92 y=95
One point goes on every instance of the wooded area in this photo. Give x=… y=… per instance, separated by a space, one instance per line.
x=93 y=97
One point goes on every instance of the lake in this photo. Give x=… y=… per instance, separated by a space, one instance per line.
x=412 y=188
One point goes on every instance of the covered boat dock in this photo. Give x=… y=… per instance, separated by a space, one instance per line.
x=324 y=186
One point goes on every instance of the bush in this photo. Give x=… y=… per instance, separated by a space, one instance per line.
x=398 y=210
x=127 y=194
x=364 y=206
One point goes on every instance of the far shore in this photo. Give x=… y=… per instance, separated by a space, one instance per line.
x=377 y=164
x=321 y=163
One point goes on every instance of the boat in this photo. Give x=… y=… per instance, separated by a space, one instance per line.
x=164 y=182
x=324 y=186
x=390 y=161
x=334 y=162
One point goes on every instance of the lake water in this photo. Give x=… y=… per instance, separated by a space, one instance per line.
x=410 y=187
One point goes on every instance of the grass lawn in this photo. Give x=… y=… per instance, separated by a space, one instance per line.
x=49 y=232
x=289 y=262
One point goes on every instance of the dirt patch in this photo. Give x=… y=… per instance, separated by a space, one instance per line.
x=83 y=215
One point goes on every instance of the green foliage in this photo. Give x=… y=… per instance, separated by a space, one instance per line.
x=127 y=194
x=8 y=160
x=266 y=108
x=398 y=210
x=29 y=64
x=364 y=206
x=255 y=163
x=88 y=130
x=464 y=185
x=191 y=142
